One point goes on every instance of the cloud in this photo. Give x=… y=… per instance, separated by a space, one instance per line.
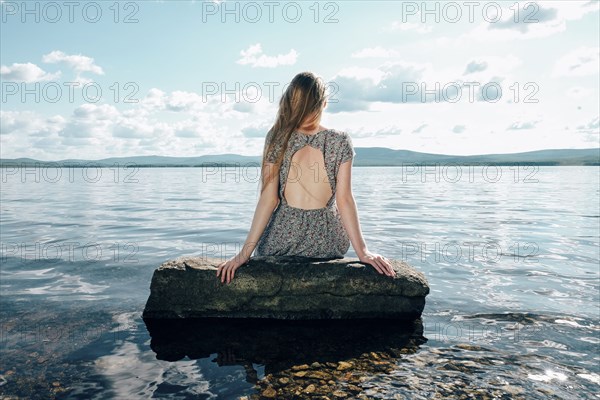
x=78 y=63
x=10 y=121
x=475 y=66
x=362 y=132
x=404 y=82
x=256 y=130
x=419 y=128
x=360 y=86
x=348 y=96
x=552 y=18
x=255 y=57
x=582 y=61
x=485 y=67
x=184 y=102
x=91 y=121
x=27 y=73
x=28 y=123
x=135 y=124
x=96 y=112
x=459 y=129
x=518 y=125
x=590 y=130
x=578 y=92
x=187 y=133
x=107 y=131
x=375 y=52
x=29 y=134
x=526 y=18
x=243 y=107
x=574 y=10
x=593 y=125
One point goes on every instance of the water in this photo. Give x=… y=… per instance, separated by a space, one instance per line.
x=512 y=261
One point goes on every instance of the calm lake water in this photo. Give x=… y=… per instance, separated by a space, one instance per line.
x=511 y=255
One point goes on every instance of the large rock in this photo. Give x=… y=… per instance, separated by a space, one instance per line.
x=285 y=287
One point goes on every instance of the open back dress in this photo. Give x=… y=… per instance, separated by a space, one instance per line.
x=315 y=233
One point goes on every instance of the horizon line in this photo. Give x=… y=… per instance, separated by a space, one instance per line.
x=372 y=147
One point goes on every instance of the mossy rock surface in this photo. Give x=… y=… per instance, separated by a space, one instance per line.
x=285 y=287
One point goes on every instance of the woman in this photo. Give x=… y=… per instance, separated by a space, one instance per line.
x=306 y=206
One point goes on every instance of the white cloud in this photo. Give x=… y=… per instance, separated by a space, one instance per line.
x=91 y=121
x=255 y=57
x=476 y=66
x=391 y=130
x=419 y=128
x=167 y=123
x=29 y=134
x=155 y=99
x=29 y=123
x=445 y=81
x=582 y=61
x=574 y=10
x=184 y=101
x=257 y=130
x=488 y=66
x=594 y=124
x=551 y=17
x=518 y=125
x=590 y=131
x=409 y=82
x=373 y=74
x=578 y=92
x=78 y=63
x=243 y=107
x=375 y=52
x=459 y=129
x=27 y=73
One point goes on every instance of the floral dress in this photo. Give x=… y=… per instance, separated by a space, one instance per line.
x=317 y=233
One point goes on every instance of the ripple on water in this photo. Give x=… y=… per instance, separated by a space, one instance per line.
x=522 y=326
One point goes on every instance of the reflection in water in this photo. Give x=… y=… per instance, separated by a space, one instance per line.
x=518 y=321
x=278 y=344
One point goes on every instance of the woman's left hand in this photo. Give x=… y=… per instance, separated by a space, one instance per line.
x=227 y=268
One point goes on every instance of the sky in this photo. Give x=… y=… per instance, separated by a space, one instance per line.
x=100 y=79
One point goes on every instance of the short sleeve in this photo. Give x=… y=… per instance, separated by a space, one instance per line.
x=347 y=148
x=271 y=156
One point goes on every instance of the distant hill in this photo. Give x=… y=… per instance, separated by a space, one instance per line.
x=372 y=156
x=365 y=156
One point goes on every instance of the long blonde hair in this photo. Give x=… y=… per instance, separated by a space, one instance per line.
x=301 y=105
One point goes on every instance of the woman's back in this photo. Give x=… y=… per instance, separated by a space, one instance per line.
x=307 y=184
x=305 y=170
x=308 y=172
x=309 y=224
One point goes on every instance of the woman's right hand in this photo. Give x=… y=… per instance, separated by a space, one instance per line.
x=379 y=262
x=227 y=268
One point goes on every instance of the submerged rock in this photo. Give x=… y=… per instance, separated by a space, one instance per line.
x=286 y=287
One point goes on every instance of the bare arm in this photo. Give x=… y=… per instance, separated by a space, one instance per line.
x=267 y=203
x=347 y=207
x=349 y=216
